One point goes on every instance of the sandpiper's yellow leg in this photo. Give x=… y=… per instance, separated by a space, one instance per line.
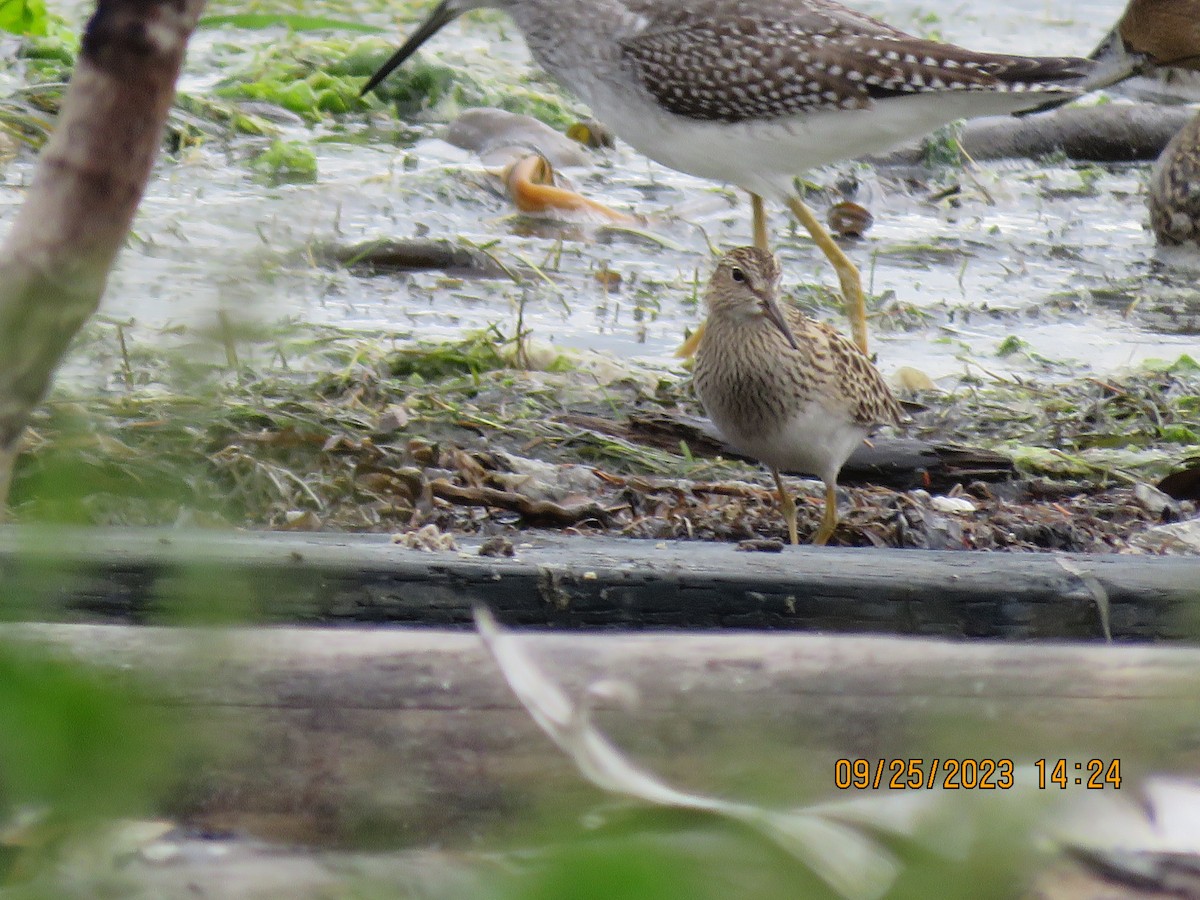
x=851 y=282
x=787 y=506
x=829 y=518
x=758 y=218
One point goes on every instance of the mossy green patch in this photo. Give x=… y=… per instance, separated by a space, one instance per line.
x=287 y=161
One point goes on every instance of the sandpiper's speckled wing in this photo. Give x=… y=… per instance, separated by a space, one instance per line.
x=854 y=384
x=731 y=60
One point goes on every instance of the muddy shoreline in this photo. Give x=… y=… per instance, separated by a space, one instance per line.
x=376 y=435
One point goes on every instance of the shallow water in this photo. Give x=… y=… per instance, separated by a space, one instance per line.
x=211 y=237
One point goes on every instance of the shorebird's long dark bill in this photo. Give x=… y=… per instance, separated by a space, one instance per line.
x=442 y=15
x=775 y=317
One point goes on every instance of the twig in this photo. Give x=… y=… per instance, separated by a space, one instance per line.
x=541 y=511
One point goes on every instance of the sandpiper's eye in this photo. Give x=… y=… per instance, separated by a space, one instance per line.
x=737 y=274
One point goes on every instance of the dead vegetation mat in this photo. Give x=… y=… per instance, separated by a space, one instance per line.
x=393 y=437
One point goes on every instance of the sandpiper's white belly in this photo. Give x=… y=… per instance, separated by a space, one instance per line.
x=764 y=156
x=810 y=439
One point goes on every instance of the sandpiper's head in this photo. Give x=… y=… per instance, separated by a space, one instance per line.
x=745 y=286
x=441 y=16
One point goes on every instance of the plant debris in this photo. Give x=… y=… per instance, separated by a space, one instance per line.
x=338 y=432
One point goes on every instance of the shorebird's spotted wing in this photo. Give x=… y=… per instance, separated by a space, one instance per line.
x=781 y=60
x=1174 y=197
x=860 y=390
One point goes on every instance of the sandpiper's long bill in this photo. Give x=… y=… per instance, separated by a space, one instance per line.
x=781 y=387
x=755 y=92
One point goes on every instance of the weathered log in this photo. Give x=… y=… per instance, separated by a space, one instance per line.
x=226 y=868
x=230 y=867
x=1115 y=132
x=412 y=256
x=595 y=582
x=900 y=463
x=331 y=736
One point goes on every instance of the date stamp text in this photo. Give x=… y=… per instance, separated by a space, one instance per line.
x=973 y=774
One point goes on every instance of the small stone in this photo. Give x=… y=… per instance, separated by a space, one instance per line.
x=761 y=545
x=1152 y=499
x=980 y=490
x=952 y=505
x=850 y=219
x=499 y=137
x=394 y=418
x=1178 y=537
x=592 y=134
x=496 y=546
x=160 y=852
x=301 y=520
x=911 y=380
x=429 y=538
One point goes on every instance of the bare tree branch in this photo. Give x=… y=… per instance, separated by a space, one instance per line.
x=87 y=187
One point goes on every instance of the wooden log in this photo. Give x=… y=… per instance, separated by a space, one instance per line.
x=896 y=462
x=405 y=735
x=390 y=255
x=1122 y=132
x=561 y=581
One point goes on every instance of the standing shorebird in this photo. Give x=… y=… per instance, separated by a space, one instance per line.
x=1152 y=36
x=1156 y=36
x=1174 y=197
x=782 y=387
x=755 y=92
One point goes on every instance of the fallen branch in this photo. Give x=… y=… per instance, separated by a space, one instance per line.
x=411 y=256
x=1115 y=132
x=535 y=512
x=86 y=189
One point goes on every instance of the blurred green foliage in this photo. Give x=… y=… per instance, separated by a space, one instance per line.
x=74 y=739
x=23 y=16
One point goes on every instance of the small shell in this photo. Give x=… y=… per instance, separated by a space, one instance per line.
x=849 y=219
x=592 y=134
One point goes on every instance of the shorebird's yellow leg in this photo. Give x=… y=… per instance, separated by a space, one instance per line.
x=851 y=282
x=787 y=506
x=758 y=218
x=688 y=348
x=829 y=519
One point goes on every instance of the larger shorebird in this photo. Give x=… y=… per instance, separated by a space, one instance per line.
x=755 y=92
x=1150 y=35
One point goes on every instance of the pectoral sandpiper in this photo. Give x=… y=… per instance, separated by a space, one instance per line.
x=782 y=387
x=755 y=92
